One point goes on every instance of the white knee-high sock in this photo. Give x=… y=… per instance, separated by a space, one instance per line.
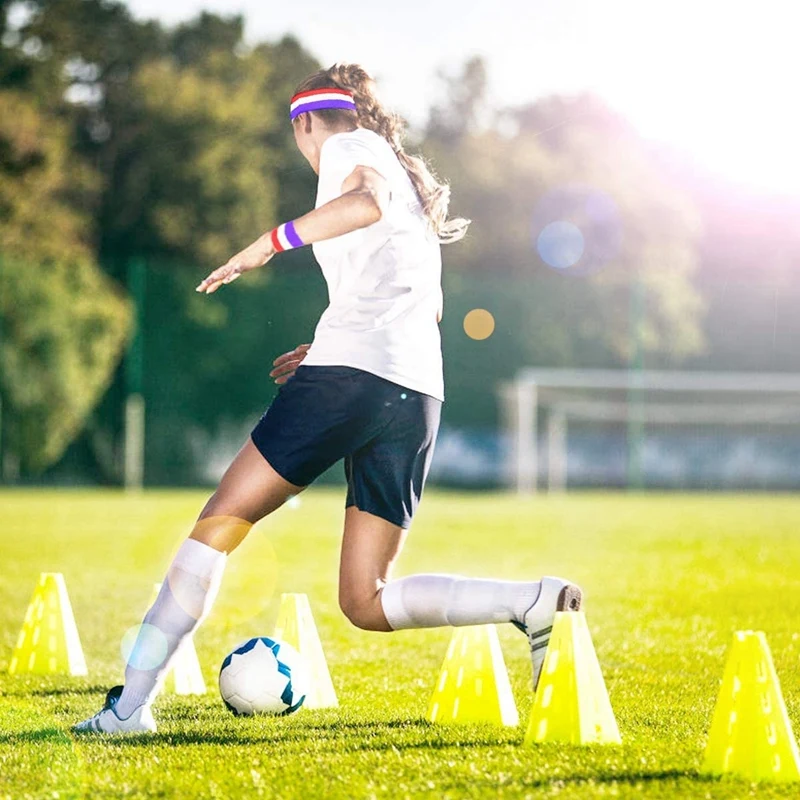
x=185 y=598
x=431 y=601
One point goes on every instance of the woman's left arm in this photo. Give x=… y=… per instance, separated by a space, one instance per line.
x=365 y=196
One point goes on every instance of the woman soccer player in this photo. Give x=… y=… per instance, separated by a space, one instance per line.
x=369 y=389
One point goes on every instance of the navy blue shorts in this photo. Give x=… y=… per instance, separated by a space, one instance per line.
x=384 y=432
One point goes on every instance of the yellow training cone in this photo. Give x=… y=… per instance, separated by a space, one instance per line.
x=473 y=684
x=185 y=675
x=296 y=627
x=571 y=701
x=48 y=642
x=751 y=735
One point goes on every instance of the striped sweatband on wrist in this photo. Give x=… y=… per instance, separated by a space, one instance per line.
x=285 y=237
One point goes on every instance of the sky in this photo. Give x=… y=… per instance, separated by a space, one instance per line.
x=716 y=78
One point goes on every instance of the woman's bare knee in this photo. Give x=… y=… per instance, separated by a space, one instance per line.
x=370 y=546
x=365 y=614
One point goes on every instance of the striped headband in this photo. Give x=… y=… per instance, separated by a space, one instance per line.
x=318 y=99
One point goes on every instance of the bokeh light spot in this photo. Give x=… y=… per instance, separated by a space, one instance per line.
x=576 y=229
x=560 y=244
x=144 y=647
x=479 y=324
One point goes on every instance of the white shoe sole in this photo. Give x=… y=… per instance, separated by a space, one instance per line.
x=107 y=723
x=124 y=727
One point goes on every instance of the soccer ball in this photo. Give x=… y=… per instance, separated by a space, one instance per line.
x=263 y=676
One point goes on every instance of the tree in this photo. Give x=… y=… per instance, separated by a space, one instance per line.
x=188 y=135
x=466 y=106
x=62 y=322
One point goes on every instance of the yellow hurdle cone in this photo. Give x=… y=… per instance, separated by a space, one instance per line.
x=571 y=702
x=473 y=684
x=295 y=626
x=48 y=643
x=185 y=675
x=750 y=734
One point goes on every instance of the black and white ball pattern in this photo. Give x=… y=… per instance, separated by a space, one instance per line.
x=263 y=676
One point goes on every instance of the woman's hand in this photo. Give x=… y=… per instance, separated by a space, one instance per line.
x=286 y=364
x=256 y=255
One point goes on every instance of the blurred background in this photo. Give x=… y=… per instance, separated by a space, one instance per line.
x=624 y=312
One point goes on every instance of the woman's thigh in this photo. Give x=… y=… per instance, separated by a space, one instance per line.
x=249 y=490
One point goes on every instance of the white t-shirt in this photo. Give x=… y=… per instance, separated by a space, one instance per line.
x=384 y=281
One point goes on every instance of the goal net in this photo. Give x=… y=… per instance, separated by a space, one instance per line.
x=650 y=429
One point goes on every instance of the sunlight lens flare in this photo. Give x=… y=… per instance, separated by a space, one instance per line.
x=560 y=244
x=576 y=229
x=479 y=324
x=144 y=647
x=717 y=81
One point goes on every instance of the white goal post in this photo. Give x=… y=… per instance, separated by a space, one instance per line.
x=631 y=398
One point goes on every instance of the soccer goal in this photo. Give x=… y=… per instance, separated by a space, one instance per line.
x=689 y=430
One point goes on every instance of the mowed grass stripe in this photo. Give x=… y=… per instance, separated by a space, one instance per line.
x=667 y=580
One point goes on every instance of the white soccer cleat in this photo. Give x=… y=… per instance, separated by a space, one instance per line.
x=106 y=720
x=555 y=594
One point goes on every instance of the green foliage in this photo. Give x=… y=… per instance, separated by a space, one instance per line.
x=667 y=580
x=78 y=45
x=296 y=180
x=197 y=147
x=187 y=134
x=62 y=322
x=466 y=108
x=198 y=181
x=42 y=187
x=187 y=128
x=63 y=327
x=217 y=353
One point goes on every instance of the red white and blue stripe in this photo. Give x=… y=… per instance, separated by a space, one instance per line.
x=285 y=237
x=319 y=99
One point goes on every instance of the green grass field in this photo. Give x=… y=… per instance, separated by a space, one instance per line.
x=667 y=580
